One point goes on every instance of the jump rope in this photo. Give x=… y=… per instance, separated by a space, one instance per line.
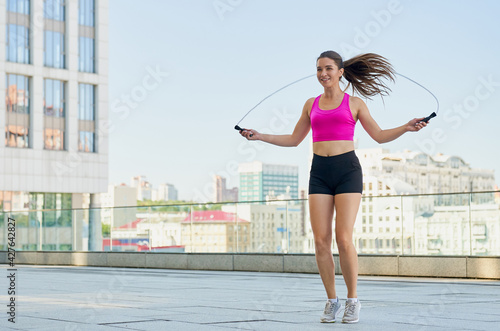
x=426 y=120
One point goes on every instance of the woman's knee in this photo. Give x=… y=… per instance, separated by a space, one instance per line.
x=344 y=242
x=323 y=244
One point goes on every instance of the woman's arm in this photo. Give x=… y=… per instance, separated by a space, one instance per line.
x=379 y=135
x=286 y=140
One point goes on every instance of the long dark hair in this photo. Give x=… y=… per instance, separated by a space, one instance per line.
x=365 y=72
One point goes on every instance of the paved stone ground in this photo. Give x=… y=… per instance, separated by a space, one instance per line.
x=86 y=298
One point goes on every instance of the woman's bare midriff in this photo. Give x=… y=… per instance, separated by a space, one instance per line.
x=331 y=148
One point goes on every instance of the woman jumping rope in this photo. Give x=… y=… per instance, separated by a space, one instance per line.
x=336 y=180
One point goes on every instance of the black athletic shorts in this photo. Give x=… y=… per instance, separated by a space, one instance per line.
x=336 y=174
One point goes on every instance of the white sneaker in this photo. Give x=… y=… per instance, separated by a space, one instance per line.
x=351 y=312
x=331 y=310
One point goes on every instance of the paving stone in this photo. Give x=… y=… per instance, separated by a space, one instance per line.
x=93 y=298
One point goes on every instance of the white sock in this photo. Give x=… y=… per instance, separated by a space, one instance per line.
x=352 y=299
x=334 y=300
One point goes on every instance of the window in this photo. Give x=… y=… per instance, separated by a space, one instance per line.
x=55 y=202
x=54 y=41
x=54 y=49
x=18 y=31
x=17 y=114
x=86 y=118
x=86 y=48
x=18 y=6
x=54 y=10
x=54 y=114
x=86 y=45
x=86 y=13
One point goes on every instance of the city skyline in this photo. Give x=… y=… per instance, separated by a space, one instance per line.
x=175 y=106
x=416 y=162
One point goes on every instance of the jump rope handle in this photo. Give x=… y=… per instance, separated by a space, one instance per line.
x=237 y=127
x=426 y=120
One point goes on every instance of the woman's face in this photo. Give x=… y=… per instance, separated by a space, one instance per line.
x=328 y=73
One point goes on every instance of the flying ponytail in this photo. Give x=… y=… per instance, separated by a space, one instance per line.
x=365 y=72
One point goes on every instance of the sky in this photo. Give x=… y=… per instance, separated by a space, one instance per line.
x=183 y=73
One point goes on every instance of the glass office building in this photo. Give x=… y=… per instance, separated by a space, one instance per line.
x=259 y=181
x=54 y=83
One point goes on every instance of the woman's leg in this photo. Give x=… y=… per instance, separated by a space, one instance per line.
x=347 y=206
x=321 y=212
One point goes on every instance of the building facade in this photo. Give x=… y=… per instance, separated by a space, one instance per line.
x=221 y=192
x=165 y=192
x=276 y=227
x=117 y=205
x=428 y=223
x=259 y=180
x=219 y=231
x=143 y=188
x=54 y=80
x=429 y=174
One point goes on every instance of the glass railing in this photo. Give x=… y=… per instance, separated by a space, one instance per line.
x=431 y=224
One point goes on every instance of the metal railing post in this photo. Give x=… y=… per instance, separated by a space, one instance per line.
x=287 y=229
x=73 y=233
x=402 y=229
x=191 y=228
x=40 y=234
x=150 y=228
x=237 y=230
x=111 y=224
x=470 y=224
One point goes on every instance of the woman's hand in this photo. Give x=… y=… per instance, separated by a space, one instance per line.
x=250 y=134
x=416 y=124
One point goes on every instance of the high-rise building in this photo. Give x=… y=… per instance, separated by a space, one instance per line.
x=221 y=192
x=143 y=187
x=54 y=80
x=165 y=192
x=116 y=205
x=259 y=180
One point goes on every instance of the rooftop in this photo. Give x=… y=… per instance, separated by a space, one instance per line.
x=213 y=216
x=90 y=298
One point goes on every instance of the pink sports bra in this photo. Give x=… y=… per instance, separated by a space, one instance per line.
x=333 y=124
